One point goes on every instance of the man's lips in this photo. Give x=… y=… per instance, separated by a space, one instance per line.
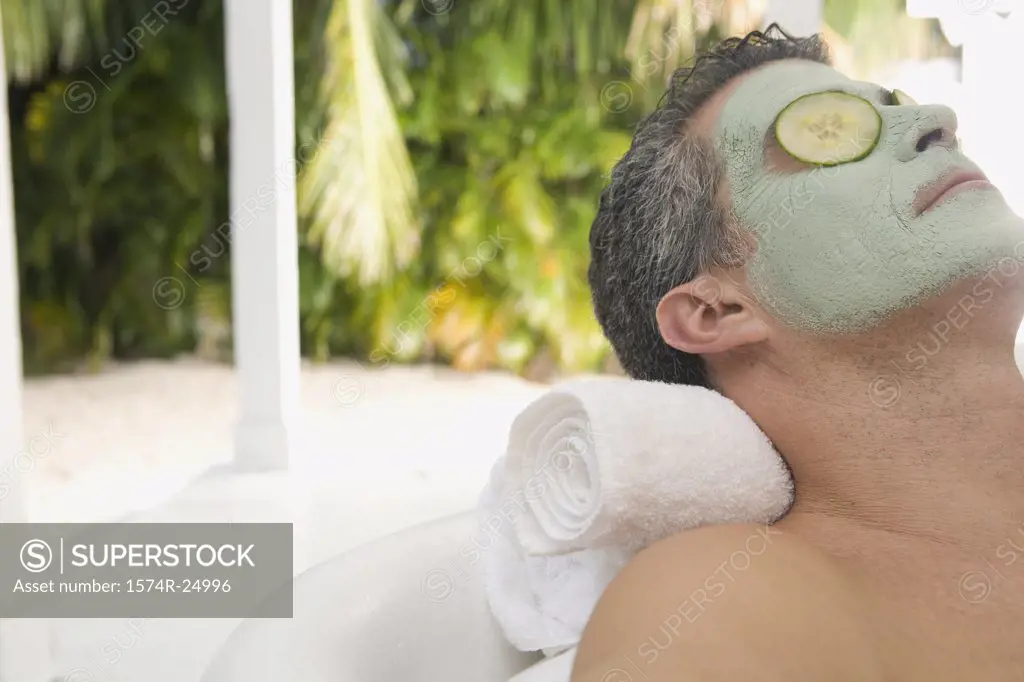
x=938 y=189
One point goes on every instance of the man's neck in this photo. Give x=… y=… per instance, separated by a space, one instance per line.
x=926 y=444
x=945 y=462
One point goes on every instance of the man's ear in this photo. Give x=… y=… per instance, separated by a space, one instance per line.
x=709 y=314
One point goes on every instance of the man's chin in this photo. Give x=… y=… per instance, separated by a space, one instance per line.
x=988 y=294
x=983 y=280
x=991 y=247
x=985 y=214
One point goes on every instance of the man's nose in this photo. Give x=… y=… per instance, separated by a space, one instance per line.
x=934 y=126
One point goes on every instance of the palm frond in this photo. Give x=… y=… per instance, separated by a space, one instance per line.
x=358 y=193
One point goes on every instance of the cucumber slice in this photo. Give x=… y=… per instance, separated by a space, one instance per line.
x=902 y=99
x=828 y=128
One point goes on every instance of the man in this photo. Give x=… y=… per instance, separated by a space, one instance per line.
x=820 y=251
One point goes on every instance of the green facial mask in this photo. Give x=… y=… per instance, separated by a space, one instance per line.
x=840 y=248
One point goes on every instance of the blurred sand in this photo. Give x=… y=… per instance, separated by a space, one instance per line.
x=380 y=450
x=135 y=434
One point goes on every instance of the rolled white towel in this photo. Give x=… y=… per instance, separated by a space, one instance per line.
x=541 y=603
x=595 y=471
x=620 y=463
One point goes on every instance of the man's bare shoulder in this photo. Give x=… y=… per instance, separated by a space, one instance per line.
x=725 y=603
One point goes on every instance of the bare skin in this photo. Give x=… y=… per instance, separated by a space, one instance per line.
x=903 y=557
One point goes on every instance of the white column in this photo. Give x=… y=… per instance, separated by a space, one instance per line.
x=796 y=17
x=24 y=644
x=263 y=227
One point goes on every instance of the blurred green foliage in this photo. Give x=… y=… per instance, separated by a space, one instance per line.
x=458 y=150
x=119 y=171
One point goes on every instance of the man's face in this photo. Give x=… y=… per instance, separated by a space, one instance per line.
x=840 y=248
